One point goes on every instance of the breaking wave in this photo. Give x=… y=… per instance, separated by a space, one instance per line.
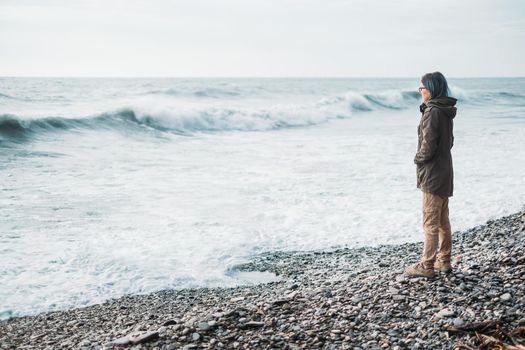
x=206 y=92
x=185 y=120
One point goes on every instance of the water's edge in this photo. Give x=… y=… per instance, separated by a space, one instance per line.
x=271 y=269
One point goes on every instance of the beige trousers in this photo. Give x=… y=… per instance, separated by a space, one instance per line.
x=438 y=235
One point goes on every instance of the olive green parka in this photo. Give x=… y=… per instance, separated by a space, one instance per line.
x=433 y=159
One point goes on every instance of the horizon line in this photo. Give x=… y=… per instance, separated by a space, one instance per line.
x=246 y=77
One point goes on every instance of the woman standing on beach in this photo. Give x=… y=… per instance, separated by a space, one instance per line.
x=435 y=173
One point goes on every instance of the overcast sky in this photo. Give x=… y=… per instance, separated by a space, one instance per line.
x=339 y=38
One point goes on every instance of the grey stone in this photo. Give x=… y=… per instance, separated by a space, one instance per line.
x=457 y=322
x=169 y=323
x=144 y=337
x=392 y=333
x=121 y=341
x=505 y=297
x=393 y=290
x=443 y=313
x=401 y=279
x=203 y=326
x=253 y=324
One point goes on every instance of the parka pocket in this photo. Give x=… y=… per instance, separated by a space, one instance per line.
x=420 y=172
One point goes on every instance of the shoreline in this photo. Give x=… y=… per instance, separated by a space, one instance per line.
x=339 y=298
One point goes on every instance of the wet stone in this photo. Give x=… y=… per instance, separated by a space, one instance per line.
x=505 y=297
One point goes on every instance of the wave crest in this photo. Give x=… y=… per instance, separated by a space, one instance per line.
x=182 y=119
x=171 y=115
x=207 y=92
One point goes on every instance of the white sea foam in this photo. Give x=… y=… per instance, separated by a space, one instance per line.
x=102 y=201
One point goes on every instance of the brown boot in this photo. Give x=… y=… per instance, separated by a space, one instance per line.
x=418 y=270
x=443 y=266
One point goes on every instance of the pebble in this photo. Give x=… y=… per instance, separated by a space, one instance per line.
x=203 y=326
x=401 y=279
x=121 y=341
x=505 y=297
x=169 y=323
x=445 y=313
x=144 y=337
x=323 y=299
x=398 y=297
x=457 y=322
x=253 y=324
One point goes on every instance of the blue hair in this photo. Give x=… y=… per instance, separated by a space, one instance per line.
x=436 y=83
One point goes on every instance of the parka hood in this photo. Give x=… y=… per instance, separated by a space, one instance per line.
x=446 y=104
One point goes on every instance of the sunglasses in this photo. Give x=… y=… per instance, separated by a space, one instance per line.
x=422 y=88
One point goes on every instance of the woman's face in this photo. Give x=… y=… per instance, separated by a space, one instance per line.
x=425 y=94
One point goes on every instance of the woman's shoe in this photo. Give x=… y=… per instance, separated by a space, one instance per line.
x=418 y=270
x=443 y=266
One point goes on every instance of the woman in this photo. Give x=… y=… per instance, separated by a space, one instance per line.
x=435 y=174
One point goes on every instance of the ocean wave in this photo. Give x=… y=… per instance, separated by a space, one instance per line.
x=363 y=102
x=169 y=92
x=510 y=95
x=168 y=115
x=212 y=92
x=487 y=97
x=38 y=98
x=188 y=120
x=185 y=121
x=357 y=100
x=502 y=98
x=7 y=97
x=15 y=127
x=205 y=93
x=393 y=99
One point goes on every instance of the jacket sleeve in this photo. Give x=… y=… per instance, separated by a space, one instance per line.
x=429 y=136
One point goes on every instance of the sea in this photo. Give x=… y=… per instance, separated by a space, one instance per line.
x=116 y=186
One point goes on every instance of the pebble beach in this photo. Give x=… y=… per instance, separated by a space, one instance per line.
x=333 y=299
